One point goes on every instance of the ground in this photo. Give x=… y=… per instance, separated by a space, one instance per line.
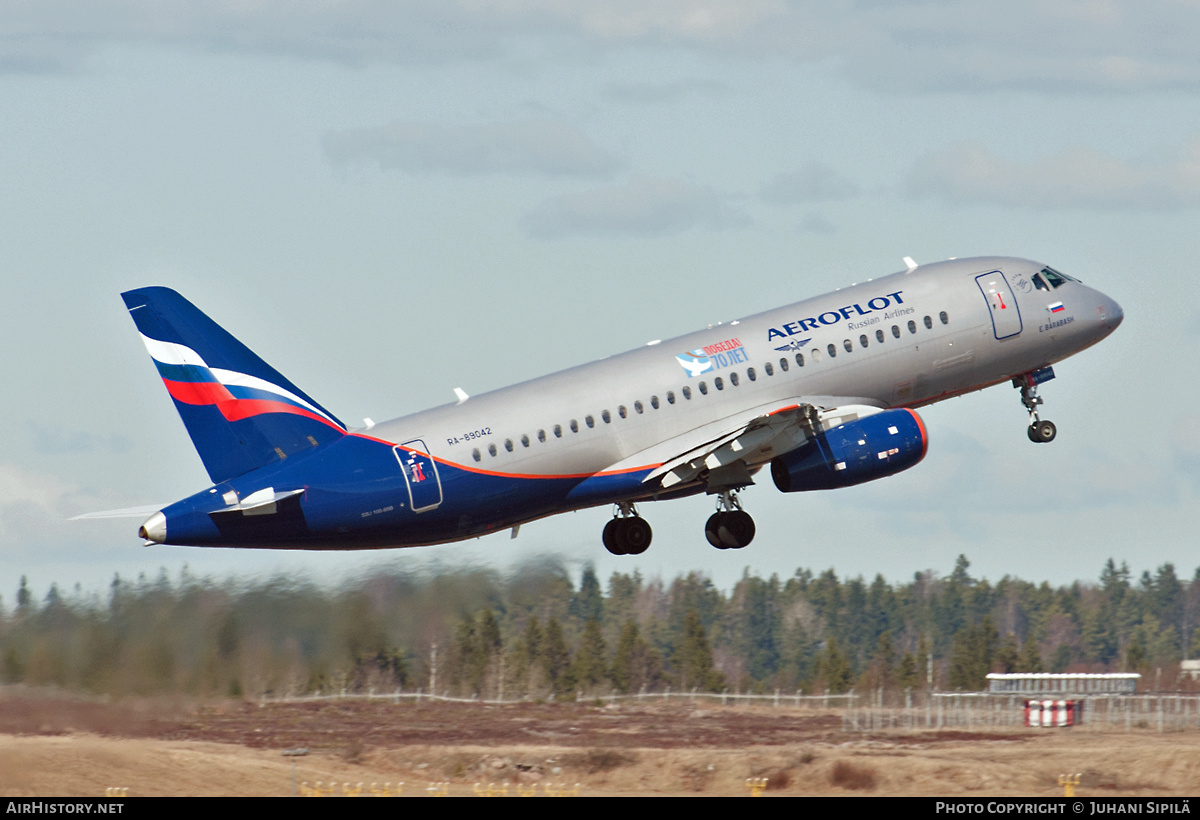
x=59 y=746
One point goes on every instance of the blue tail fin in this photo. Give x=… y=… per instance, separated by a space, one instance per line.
x=241 y=413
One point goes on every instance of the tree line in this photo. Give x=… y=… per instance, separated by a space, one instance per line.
x=534 y=633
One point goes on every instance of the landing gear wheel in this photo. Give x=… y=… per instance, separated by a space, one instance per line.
x=712 y=530
x=611 y=541
x=736 y=529
x=1039 y=431
x=636 y=536
x=729 y=530
x=1042 y=432
x=628 y=533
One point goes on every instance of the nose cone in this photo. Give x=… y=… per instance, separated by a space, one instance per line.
x=154 y=531
x=1115 y=314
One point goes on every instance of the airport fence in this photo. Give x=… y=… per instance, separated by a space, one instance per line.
x=867 y=712
x=828 y=701
x=981 y=710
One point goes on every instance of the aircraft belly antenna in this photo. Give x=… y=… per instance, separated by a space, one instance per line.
x=909 y=263
x=462 y=395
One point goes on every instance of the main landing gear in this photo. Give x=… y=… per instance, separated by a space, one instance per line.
x=1039 y=431
x=730 y=527
x=628 y=533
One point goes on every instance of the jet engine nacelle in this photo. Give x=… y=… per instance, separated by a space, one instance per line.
x=879 y=445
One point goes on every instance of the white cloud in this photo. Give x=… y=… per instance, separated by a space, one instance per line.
x=918 y=45
x=815 y=223
x=1075 y=177
x=656 y=93
x=685 y=19
x=34 y=509
x=643 y=206
x=812 y=183
x=530 y=147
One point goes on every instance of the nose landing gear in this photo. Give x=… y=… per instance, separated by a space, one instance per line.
x=730 y=527
x=628 y=533
x=1039 y=431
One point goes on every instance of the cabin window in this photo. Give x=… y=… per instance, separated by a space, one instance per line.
x=928 y=323
x=492 y=450
x=574 y=426
x=508 y=445
x=769 y=369
x=622 y=412
x=524 y=440
x=751 y=375
x=896 y=331
x=558 y=431
x=670 y=397
x=653 y=403
x=848 y=345
x=719 y=382
x=945 y=319
x=607 y=416
x=542 y=436
x=475 y=454
x=879 y=337
x=703 y=388
x=912 y=326
x=687 y=392
x=589 y=421
x=832 y=350
x=637 y=407
x=783 y=365
x=733 y=379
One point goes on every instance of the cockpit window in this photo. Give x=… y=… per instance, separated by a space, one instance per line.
x=1055 y=278
x=1039 y=282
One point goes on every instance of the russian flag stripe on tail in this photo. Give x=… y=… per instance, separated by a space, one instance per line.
x=241 y=413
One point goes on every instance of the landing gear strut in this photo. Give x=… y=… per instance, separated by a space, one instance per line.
x=628 y=533
x=730 y=527
x=1039 y=431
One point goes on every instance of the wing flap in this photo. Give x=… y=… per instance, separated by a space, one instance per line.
x=736 y=444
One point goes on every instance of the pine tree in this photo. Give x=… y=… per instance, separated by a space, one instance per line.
x=636 y=665
x=588 y=603
x=590 y=666
x=694 y=659
x=833 y=667
x=1030 y=659
x=556 y=661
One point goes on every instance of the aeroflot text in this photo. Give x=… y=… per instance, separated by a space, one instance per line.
x=832 y=317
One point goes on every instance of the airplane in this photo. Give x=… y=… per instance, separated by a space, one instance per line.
x=823 y=391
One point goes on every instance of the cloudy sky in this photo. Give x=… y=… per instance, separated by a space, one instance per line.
x=390 y=200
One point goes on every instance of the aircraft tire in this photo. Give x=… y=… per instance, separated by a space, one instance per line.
x=736 y=529
x=611 y=536
x=635 y=535
x=712 y=530
x=1043 y=432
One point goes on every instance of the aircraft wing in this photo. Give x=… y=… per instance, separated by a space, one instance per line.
x=723 y=453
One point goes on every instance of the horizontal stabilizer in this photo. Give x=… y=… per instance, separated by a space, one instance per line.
x=263 y=502
x=126 y=512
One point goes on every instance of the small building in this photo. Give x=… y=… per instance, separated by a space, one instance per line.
x=1048 y=683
